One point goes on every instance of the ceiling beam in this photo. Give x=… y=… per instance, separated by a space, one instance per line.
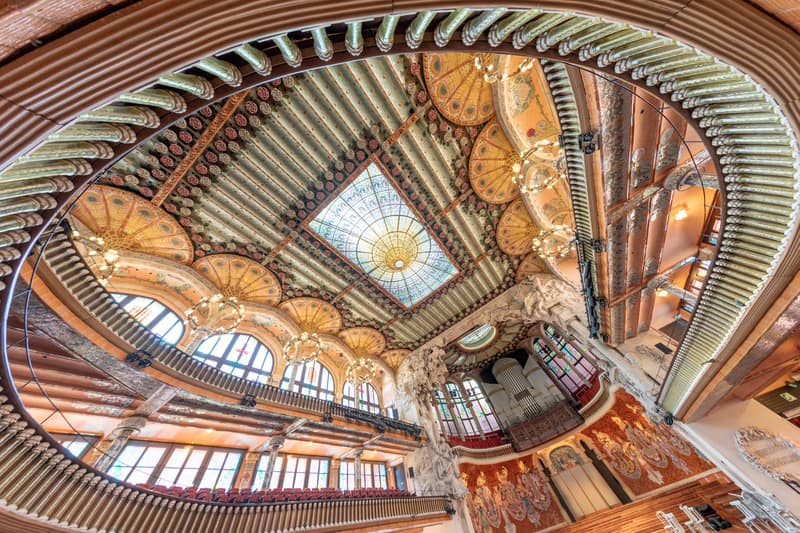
x=227 y=111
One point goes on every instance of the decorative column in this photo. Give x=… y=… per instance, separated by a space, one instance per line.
x=333 y=473
x=452 y=407
x=113 y=445
x=275 y=444
x=609 y=495
x=357 y=466
x=468 y=403
x=245 y=478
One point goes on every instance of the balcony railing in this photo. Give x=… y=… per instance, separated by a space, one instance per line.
x=555 y=421
x=65 y=261
x=39 y=480
x=489 y=440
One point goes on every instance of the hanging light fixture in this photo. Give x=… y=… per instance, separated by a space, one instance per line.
x=360 y=370
x=215 y=315
x=102 y=257
x=303 y=348
x=539 y=168
x=485 y=64
x=553 y=243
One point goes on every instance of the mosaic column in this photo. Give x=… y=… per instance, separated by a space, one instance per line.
x=112 y=446
x=357 y=466
x=275 y=444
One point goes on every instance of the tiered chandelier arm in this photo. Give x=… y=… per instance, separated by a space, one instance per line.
x=103 y=257
x=303 y=348
x=215 y=315
x=548 y=165
x=553 y=243
x=360 y=370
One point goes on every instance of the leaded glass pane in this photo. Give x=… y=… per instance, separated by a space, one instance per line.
x=371 y=225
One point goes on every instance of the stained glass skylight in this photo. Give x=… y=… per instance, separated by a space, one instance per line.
x=370 y=224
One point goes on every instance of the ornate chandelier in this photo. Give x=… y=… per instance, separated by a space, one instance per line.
x=531 y=170
x=553 y=243
x=303 y=348
x=103 y=257
x=215 y=315
x=485 y=65
x=360 y=370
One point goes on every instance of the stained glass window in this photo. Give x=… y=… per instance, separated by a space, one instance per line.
x=478 y=338
x=311 y=379
x=566 y=363
x=239 y=354
x=153 y=315
x=462 y=410
x=370 y=224
x=481 y=407
x=367 y=397
x=444 y=414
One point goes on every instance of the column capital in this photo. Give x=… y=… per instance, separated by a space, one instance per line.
x=276 y=442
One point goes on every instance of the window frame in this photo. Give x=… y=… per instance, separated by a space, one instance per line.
x=483 y=410
x=313 y=390
x=127 y=300
x=445 y=416
x=368 y=471
x=169 y=449
x=220 y=358
x=468 y=424
x=66 y=440
x=581 y=368
x=364 y=403
x=282 y=461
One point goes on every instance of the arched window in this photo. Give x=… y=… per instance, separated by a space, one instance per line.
x=481 y=407
x=239 y=354
x=566 y=363
x=311 y=379
x=444 y=414
x=367 y=397
x=153 y=315
x=462 y=411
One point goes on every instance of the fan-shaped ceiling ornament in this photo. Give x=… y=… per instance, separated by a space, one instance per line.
x=364 y=341
x=393 y=358
x=492 y=166
x=313 y=315
x=530 y=265
x=241 y=278
x=457 y=88
x=127 y=222
x=515 y=230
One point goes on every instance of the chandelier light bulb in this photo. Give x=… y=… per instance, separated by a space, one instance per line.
x=207 y=320
x=102 y=258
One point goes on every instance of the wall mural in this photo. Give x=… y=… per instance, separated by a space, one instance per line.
x=510 y=492
x=643 y=455
x=516 y=495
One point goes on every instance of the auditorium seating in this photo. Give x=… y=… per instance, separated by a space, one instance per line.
x=274 y=495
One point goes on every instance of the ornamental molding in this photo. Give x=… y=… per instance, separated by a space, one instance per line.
x=770 y=454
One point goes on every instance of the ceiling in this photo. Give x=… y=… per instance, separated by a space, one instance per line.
x=294 y=177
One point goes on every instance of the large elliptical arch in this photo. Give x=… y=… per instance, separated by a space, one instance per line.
x=45 y=89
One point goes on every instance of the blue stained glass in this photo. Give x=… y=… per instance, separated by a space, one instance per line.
x=370 y=224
